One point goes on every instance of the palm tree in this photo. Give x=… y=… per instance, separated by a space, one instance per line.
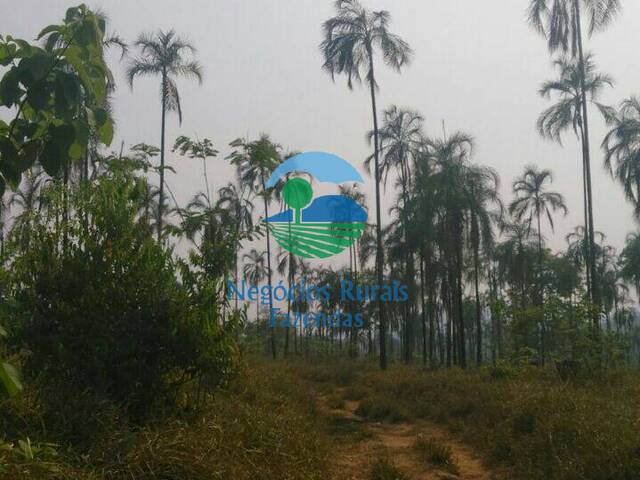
x=255 y=271
x=533 y=201
x=630 y=261
x=622 y=148
x=482 y=185
x=560 y=22
x=238 y=211
x=400 y=139
x=254 y=162
x=450 y=159
x=568 y=113
x=351 y=39
x=162 y=54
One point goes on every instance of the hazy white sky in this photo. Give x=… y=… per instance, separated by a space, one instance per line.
x=477 y=66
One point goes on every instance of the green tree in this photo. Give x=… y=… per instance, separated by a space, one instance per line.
x=237 y=210
x=532 y=201
x=630 y=261
x=560 y=22
x=200 y=149
x=55 y=95
x=484 y=211
x=255 y=271
x=576 y=83
x=400 y=139
x=622 y=150
x=351 y=39
x=163 y=54
x=254 y=162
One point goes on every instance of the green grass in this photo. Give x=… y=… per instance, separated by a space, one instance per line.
x=264 y=426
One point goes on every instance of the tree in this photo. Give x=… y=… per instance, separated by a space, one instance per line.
x=560 y=22
x=200 y=149
x=400 y=139
x=162 y=54
x=254 y=162
x=630 y=261
x=482 y=184
x=622 y=150
x=255 y=271
x=351 y=39
x=567 y=113
x=450 y=159
x=237 y=210
x=533 y=201
x=58 y=91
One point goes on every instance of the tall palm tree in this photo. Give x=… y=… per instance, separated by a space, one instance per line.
x=400 y=139
x=560 y=22
x=254 y=162
x=163 y=54
x=576 y=83
x=622 y=150
x=450 y=158
x=351 y=39
x=533 y=201
x=484 y=211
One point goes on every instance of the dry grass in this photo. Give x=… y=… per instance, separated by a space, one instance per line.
x=436 y=453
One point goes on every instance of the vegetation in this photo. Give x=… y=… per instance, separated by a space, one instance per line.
x=124 y=356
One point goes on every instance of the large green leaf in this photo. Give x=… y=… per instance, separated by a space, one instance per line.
x=104 y=125
x=56 y=150
x=9 y=161
x=10 y=379
x=10 y=91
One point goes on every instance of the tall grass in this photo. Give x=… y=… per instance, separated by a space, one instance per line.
x=529 y=422
x=262 y=427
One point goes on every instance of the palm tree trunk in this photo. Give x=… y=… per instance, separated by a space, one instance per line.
x=286 y=337
x=478 y=309
x=458 y=245
x=162 y=135
x=379 y=252
x=424 y=313
x=587 y=159
x=266 y=215
x=540 y=291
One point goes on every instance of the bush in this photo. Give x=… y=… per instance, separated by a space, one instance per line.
x=98 y=305
x=384 y=469
x=435 y=453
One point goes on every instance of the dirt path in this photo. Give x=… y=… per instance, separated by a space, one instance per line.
x=395 y=441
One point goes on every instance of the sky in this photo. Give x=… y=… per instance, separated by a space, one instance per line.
x=477 y=67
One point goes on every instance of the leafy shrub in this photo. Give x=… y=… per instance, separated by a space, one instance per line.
x=98 y=304
x=381 y=406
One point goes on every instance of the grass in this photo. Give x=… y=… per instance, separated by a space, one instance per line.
x=384 y=469
x=436 y=453
x=335 y=402
x=264 y=426
x=525 y=421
